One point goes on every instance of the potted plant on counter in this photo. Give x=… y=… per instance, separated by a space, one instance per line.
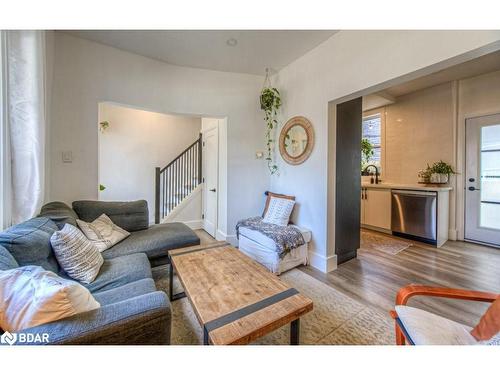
x=440 y=172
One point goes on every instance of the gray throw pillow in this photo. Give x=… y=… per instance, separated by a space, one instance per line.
x=79 y=257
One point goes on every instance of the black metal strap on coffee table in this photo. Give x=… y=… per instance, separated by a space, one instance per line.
x=250 y=309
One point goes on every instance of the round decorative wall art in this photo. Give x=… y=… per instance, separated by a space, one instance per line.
x=296 y=140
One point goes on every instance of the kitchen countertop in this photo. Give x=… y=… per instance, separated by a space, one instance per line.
x=422 y=187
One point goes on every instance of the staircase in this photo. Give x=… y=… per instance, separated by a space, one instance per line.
x=176 y=181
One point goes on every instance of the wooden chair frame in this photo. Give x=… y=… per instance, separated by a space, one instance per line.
x=405 y=293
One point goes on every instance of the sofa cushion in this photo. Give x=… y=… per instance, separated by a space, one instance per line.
x=7 y=261
x=122 y=293
x=30 y=296
x=60 y=213
x=29 y=243
x=155 y=241
x=76 y=254
x=121 y=271
x=103 y=232
x=425 y=328
x=131 y=216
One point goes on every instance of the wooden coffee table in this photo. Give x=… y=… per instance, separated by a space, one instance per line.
x=235 y=299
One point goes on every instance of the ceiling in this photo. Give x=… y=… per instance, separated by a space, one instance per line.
x=254 y=52
x=481 y=65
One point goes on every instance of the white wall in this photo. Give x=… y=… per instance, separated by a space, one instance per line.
x=348 y=62
x=86 y=73
x=418 y=130
x=134 y=144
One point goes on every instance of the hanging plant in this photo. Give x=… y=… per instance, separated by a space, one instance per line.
x=270 y=103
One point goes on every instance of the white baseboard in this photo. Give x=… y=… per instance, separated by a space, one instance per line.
x=231 y=238
x=452 y=234
x=322 y=263
x=194 y=224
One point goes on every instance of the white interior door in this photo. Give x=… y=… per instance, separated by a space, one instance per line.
x=482 y=180
x=210 y=174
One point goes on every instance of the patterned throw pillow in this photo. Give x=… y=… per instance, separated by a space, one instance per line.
x=279 y=211
x=30 y=296
x=79 y=257
x=102 y=232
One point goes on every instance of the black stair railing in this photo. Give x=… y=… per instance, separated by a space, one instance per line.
x=177 y=180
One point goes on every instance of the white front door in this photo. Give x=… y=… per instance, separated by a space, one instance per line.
x=210 y=174
x=482 y=180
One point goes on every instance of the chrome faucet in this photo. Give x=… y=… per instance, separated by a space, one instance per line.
x=376 y=171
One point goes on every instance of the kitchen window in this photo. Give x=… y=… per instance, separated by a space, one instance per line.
x=372 y=130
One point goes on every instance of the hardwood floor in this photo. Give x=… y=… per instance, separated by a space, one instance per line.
x=375 y=277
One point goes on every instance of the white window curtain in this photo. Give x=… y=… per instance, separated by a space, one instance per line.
x=22 y=125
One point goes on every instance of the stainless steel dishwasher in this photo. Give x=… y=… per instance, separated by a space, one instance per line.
x=414 y=214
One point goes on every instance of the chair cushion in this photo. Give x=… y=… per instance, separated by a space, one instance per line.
x=122 y=293
x=131 y=216
x=279 y=211
x=60 y=213
x=425 y=328
x=155 y=241
x=7 y=261
x=489 y=325
x=275 y=195
x=121 y=271
x=79 y=257
x=29 y=243
x=30 y=296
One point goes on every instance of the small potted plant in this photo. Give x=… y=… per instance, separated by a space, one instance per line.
x=440 y=172
x=424 y=176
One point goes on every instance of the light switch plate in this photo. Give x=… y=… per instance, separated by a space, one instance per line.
x=67 y=157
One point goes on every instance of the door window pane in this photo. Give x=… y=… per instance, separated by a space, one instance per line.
x=490 y=177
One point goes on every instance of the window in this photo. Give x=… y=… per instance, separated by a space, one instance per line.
x=372 y=130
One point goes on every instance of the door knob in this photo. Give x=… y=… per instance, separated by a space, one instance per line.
x=212 y=190
x=472 y=188
x=471 y=179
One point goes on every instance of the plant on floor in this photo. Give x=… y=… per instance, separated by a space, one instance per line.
x=270 y=103
x=102 y=187
x=366 y=152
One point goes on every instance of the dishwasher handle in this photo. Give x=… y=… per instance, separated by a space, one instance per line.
x=414 y=192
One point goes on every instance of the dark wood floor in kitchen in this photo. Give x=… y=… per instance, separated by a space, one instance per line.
x=375 y=277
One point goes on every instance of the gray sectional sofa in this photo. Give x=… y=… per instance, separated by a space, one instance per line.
x=132 y=310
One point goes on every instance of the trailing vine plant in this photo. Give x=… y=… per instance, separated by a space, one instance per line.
x=270 y=102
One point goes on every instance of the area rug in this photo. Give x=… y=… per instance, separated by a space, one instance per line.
x=372 y=241
x=335 y=320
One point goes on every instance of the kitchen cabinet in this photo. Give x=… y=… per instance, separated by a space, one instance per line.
x=376 y=208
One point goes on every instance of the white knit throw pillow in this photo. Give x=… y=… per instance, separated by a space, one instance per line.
x=279 y=211
x=79 y=257
x=30 y=296
x=102 y=232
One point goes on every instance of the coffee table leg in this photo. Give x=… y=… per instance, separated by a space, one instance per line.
x=171 y=294
x=206 y=340
x=295 y=332
x=171 y=281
